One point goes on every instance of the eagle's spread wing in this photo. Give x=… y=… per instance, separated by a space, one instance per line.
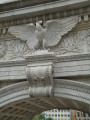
x=25 y=33
x=55 y=29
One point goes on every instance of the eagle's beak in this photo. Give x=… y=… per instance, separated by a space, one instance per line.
x=40 y=22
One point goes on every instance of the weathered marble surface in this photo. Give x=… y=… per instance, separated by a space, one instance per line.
x=27 y=77
x=74 y=42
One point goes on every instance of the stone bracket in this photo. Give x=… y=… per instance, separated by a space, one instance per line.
x=39 y=73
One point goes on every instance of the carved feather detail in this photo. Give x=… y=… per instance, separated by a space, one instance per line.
x=25 y=33
x=56 y=29
x=36 y=36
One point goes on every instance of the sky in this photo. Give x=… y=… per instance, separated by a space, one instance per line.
x=4 y=1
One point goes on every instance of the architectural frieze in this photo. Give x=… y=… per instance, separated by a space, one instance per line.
x=74 y=57
x=84 y=23
x=59 y=58
x=82 y=12
x=11 y=63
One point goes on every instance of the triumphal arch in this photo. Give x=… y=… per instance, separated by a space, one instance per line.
x=44 y=57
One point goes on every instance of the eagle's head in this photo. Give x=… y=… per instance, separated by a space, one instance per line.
x=38 y=25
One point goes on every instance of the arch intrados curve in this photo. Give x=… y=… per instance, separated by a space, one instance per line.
x=68 y=94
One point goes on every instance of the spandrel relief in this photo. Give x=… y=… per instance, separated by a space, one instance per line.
x=18 y=49
x=12 y=48
x=38 y=37
x=57 y=35
x=74 y=43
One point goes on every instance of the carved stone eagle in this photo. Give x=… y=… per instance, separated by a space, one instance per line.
x=39 y=38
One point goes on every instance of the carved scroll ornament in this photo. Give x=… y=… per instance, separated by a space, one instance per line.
x=39 y=74
x=40 y=80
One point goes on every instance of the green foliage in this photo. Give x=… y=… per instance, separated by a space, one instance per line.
x=40 y=117
x=48 y=118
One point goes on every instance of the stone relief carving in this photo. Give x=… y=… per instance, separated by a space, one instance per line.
x=39 y=73
x=54 y=36
x=59 y=83
x=73 y=43
x=3 y=48
x=18 y=49
x=40 y=79
x=11 y=48
x=39 y=38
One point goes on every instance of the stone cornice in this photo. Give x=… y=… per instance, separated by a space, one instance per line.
x=11 y=63
x=73 y=57
x=59 y=58
x=44 y=12
x=40 y=55
x=15 y=4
